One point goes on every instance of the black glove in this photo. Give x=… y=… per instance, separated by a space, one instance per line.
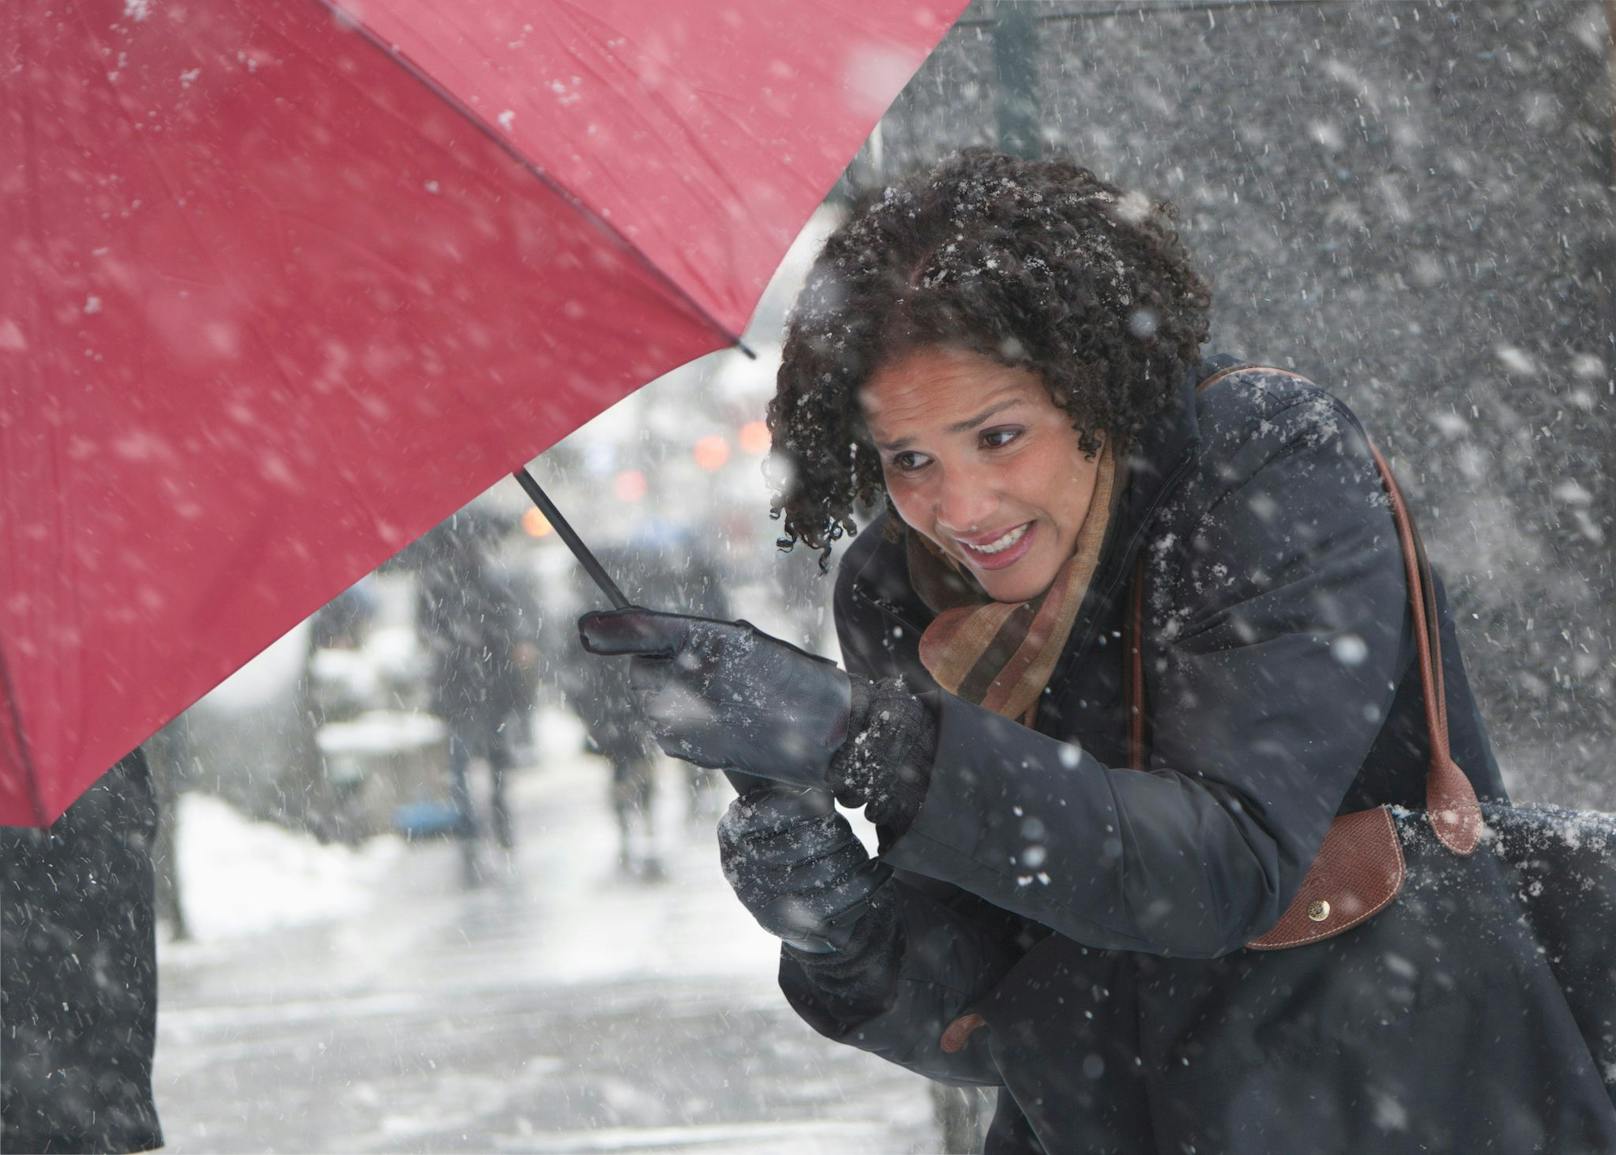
x=727 y=695
x=796 y=865
x=886 y=760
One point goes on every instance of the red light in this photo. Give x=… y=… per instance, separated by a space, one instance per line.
x=711 y=452
x=536 y=524
x=754 y=438
x=629 y=485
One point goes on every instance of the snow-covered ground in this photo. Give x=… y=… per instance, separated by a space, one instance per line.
x=338 y=999
x=241 y=878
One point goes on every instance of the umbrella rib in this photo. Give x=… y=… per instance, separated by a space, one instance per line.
x=24 y=755
x=550 y=182
x=35 y=225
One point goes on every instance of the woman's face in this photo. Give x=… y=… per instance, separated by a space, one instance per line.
x=978 y=458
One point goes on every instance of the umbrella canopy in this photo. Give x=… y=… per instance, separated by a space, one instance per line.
x=287 y=282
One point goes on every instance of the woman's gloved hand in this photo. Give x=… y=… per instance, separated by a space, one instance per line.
x=796 y=865
x=727 y=695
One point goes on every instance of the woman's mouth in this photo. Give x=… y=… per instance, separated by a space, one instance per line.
x=1004 y=550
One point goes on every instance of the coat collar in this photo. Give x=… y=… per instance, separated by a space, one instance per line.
x=1156 y=464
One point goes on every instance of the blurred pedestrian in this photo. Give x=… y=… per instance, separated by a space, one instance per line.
x=594 y=692
x=664 y=566
x=481 y=644
x=343 y=621
x=78 y=973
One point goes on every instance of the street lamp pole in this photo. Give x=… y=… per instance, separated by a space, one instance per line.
x=1015 y=68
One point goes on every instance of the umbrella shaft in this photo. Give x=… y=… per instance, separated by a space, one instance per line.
x=743 y=783
x=579 y=550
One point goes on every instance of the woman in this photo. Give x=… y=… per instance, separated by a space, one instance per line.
x=1009 y=353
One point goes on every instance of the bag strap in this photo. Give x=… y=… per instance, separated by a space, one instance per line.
x=1450 y=799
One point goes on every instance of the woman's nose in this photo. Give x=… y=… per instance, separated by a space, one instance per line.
x=965 y=502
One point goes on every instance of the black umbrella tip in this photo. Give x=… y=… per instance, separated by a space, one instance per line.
x=745 y=348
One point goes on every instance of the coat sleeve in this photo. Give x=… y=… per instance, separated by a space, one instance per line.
x=1277 y=634
x=949 y=953
x=942 y=950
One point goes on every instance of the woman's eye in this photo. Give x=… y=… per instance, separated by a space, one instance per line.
x=998 y=438
x=909 y=461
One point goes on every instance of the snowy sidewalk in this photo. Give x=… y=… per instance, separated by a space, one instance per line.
x=558 y=1009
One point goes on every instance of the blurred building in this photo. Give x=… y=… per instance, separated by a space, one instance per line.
x=1410 y=203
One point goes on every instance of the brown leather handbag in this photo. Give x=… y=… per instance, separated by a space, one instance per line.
x=1360 y=866
x=1559 y=863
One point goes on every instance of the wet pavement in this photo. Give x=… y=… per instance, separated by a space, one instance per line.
x=557 y=1007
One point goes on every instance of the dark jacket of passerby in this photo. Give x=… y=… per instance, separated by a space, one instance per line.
x=1282 y=689
x=78 y=973
x=472 y=622
x=595 y=691
x=678 y=576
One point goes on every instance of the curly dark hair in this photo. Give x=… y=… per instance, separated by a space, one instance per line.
x=1037 y=264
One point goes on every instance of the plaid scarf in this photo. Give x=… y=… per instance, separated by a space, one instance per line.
x=1000 y=654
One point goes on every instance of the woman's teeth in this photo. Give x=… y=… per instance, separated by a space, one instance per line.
x=999 y=545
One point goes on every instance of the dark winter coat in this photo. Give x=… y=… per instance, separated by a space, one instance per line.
x=1096 y=914
x=676 y=575
x=472 y=620
x=78 y=973
x=595 y=691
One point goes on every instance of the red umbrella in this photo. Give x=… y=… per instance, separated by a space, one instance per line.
x=287 y=282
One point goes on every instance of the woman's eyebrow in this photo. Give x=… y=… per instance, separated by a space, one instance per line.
x=973 y=422
x=958 y=427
